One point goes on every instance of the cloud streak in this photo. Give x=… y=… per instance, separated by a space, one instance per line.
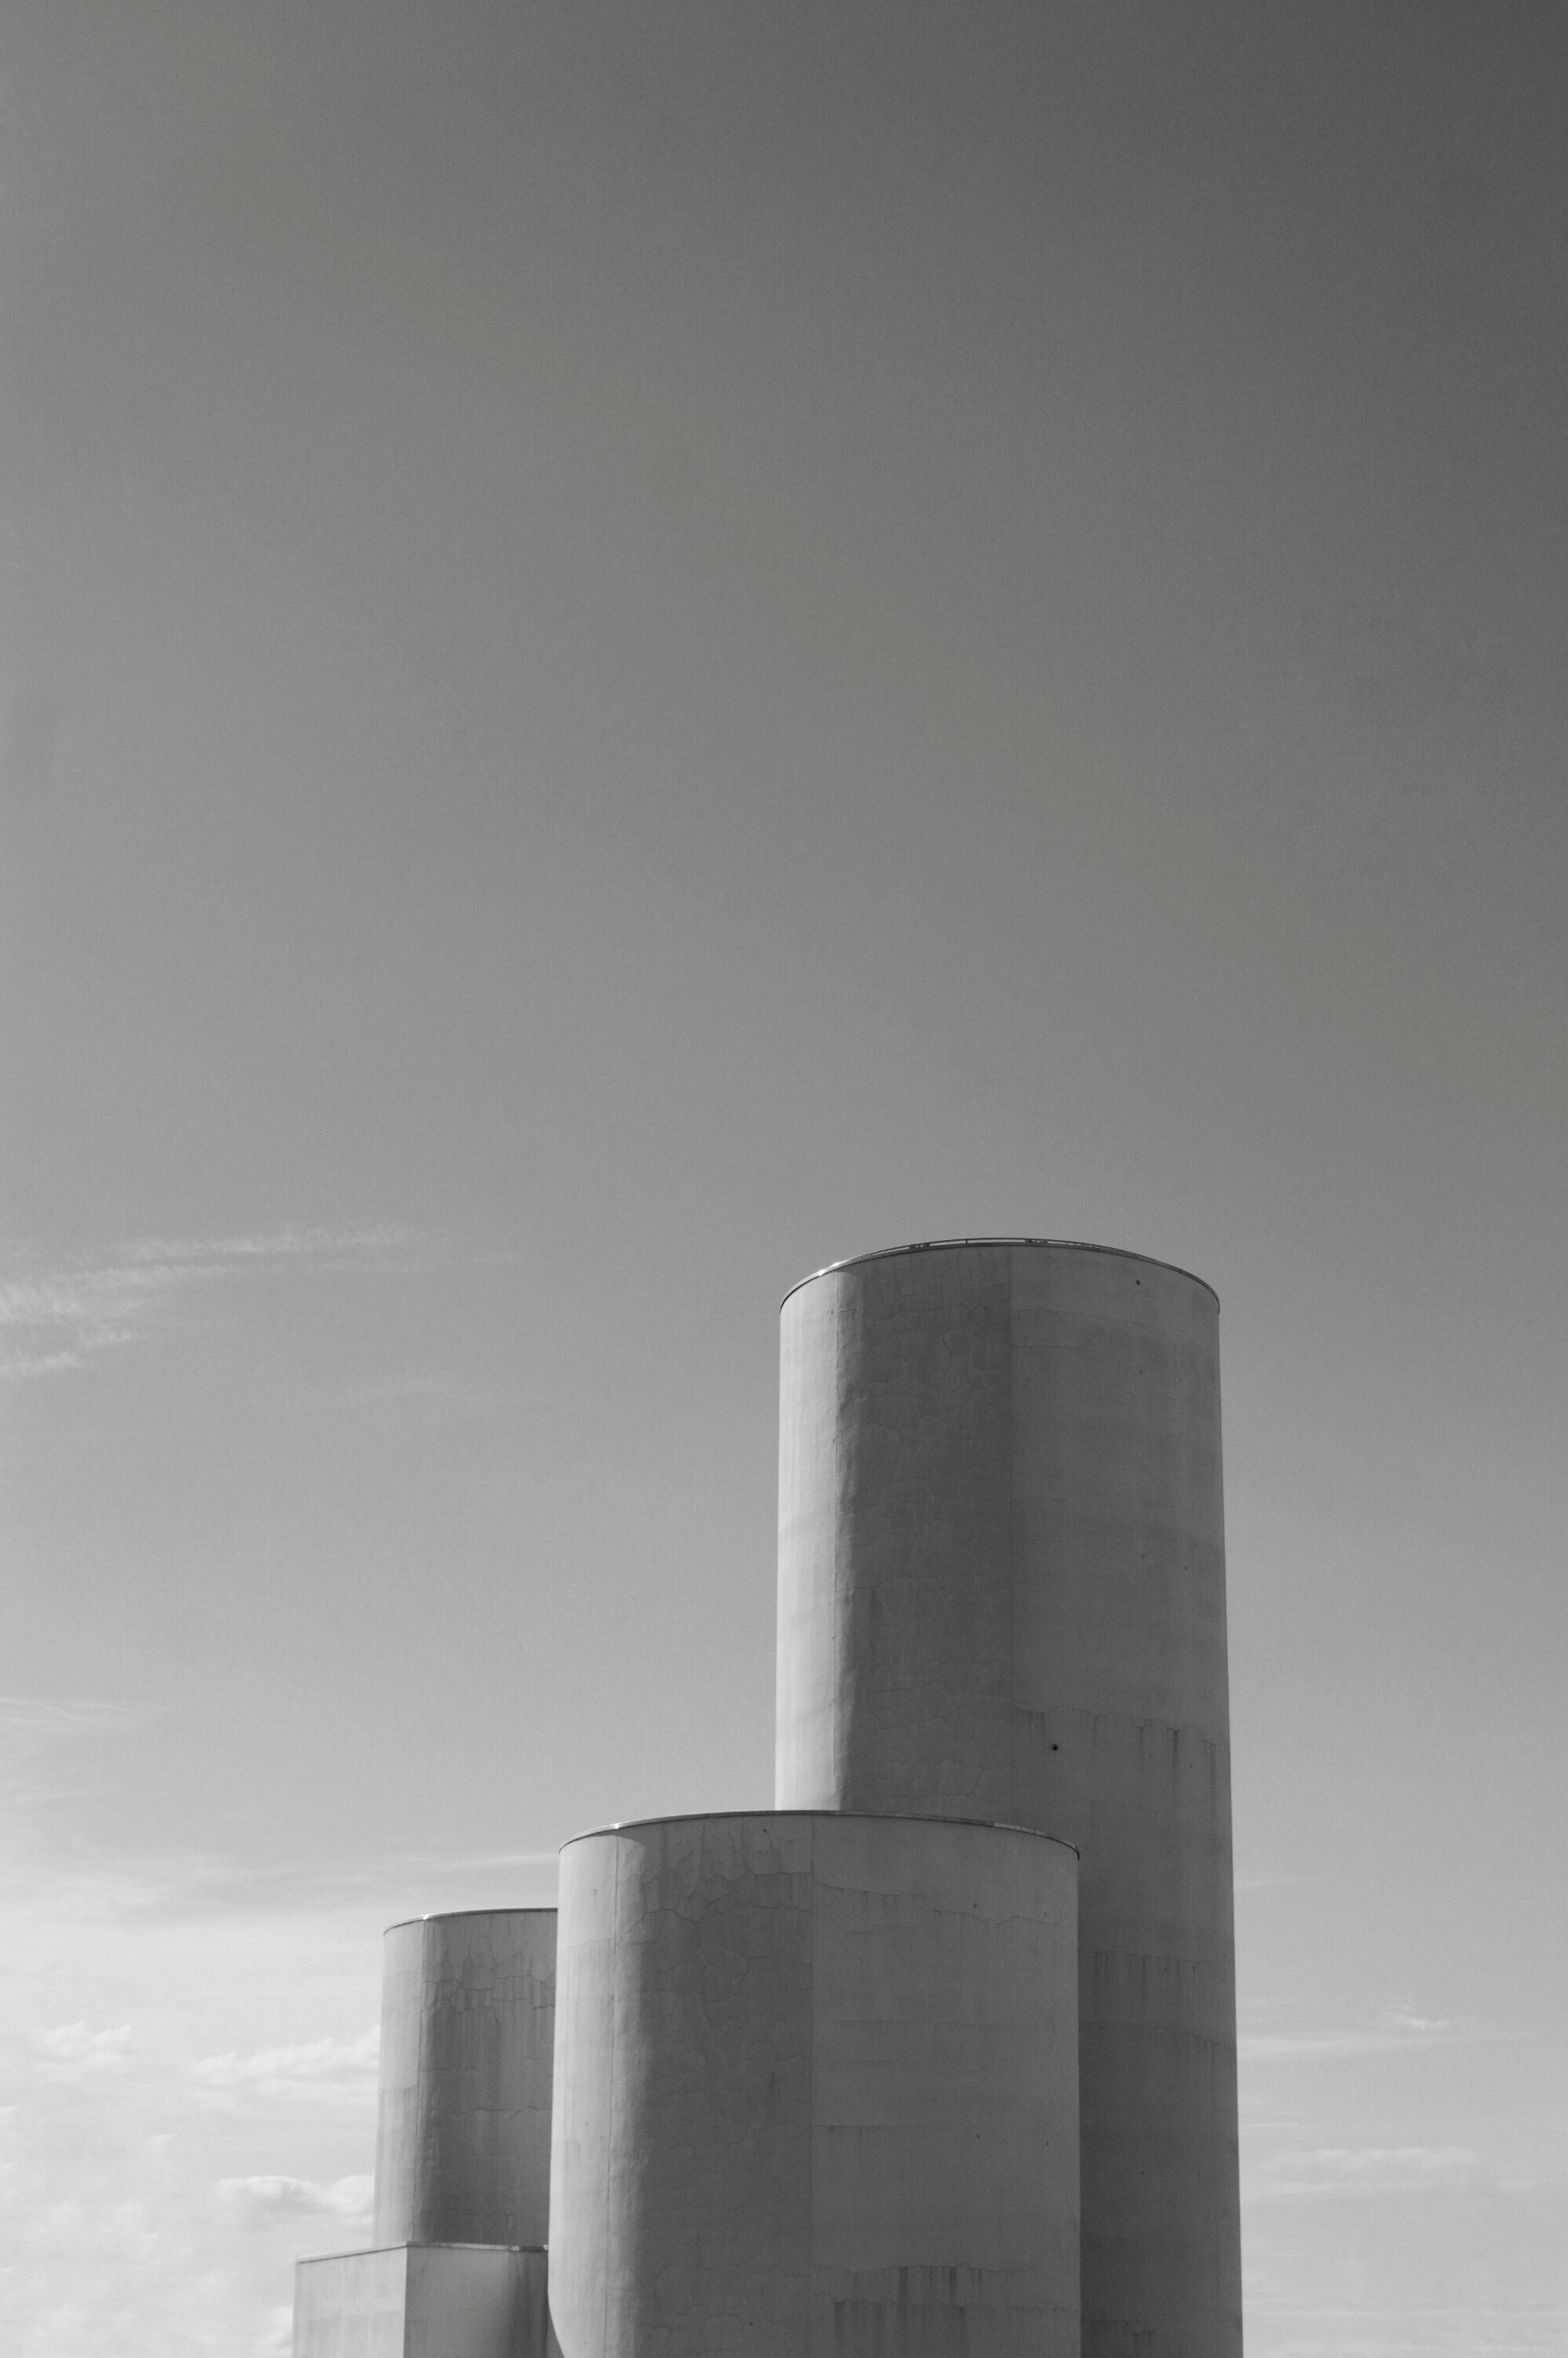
x=325 y=2074
x=260 y=2201
x=62 y=1317
x=210 y=1887
x=1398 y=2029
x=1329 y=2330
x=30 y=1725
x=73 y=2053
x=1342 y=2171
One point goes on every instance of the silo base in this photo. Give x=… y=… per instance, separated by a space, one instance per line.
x=423 y=2300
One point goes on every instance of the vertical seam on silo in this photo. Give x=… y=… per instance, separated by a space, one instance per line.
x=609 y=2110
x=811 y=2094
x=1010 y=1723
x=414 y=2219
x=836 y=1305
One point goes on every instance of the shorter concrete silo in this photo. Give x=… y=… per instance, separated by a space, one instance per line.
x=462 y=2151
x=817 y=2090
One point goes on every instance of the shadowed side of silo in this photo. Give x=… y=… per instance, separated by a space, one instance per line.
x=1001 y=1596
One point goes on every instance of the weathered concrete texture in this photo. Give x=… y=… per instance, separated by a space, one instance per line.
x=815 y=2092
x=423 y=2300
x=1002 y=1595
x=462 y=2152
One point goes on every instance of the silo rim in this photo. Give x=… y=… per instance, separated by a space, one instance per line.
x=372 y=2251
x=445 y=1916
x=854 y=1817
x=958 y=1244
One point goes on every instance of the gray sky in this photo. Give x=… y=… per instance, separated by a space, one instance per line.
x=642 y=646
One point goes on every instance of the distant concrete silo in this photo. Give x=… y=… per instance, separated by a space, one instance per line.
x=816 y=2091
x=462 y=2151
x=1002 y=1595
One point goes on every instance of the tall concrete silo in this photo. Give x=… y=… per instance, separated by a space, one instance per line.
x=1001 y=1596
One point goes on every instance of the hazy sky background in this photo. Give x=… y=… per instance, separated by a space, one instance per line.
x=642 y=645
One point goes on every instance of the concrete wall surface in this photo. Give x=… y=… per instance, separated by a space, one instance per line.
x=350 y=2306
x=815 y=2092
x=468 y=2301
x=462 y=2152
x=430 y=2300
x=1002 y=1595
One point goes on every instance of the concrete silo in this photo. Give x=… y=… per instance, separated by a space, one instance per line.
x=816 y=2091
x=462 y=2158
x=1001 y=1596
x=468 y=2014
x=937 y=2059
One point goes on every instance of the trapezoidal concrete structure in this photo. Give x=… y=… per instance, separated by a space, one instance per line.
x=816 y=2091
x=423 y=2300
x=1002 y=1595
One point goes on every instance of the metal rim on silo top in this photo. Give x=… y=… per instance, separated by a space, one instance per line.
x=447 y=1915
x=962 y=1244
x=848 y=1817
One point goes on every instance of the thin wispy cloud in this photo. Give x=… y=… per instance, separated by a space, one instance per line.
x=277 y=2335
x=333 y=2074
x=31 y=1725
x=1398 y=2027
x=1343 y=2171
x=1399 y=2021
x=46 y=1744
x=73 y=2053
x=59 y=1315
x=398 y=1883
x=1411 y=2330
x=262 y=2201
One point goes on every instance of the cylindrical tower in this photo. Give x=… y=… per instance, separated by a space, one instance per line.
x=1002 y=1595
x=462 y=2149
x=816 y=2091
